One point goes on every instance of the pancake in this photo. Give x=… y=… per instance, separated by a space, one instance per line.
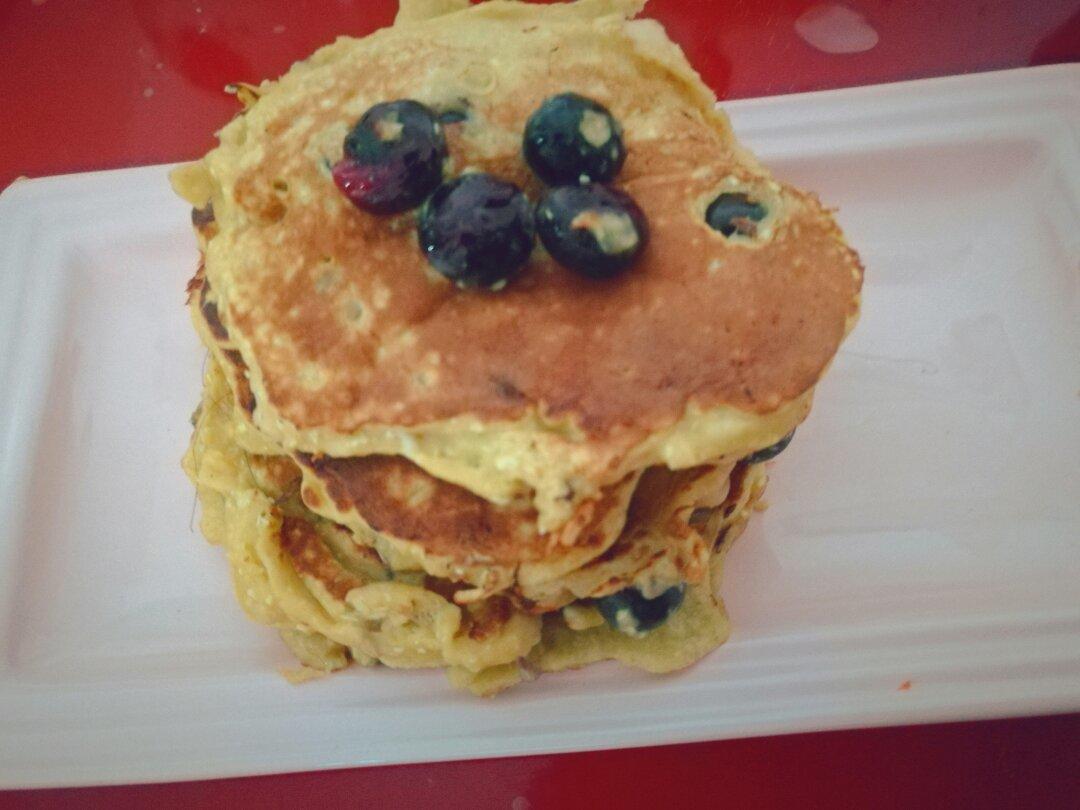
x=336 y=601
x=554 y=387
x=513 y=480
x=419 y=521
x=391 y=495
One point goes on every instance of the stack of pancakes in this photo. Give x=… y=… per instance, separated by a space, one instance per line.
x=408 y=473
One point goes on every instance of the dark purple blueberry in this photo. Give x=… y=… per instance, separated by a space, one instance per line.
x=201 y=217
x=477 y=230
x=393 y=158
x=734 y=212
x=455 y=116
x=455 y=112
x=594 y=230
x=772 y=451
x=573 y=139
x=628 y=611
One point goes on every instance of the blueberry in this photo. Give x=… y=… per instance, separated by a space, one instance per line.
x=454 y=112
x=393 y=158
x=477 y=229
x=453 y=116
x=772 y=451
x=628 y=611
x=572 y=139
x=594 y=230
x=734 y=212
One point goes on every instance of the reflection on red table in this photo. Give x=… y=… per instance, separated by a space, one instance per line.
x=85 y=88
x=100 y=85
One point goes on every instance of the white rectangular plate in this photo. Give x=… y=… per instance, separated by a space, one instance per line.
x=920 y=560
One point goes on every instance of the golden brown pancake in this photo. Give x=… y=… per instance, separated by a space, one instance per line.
x=335 y=600
x=754 y=332
x=350 y=336
x=393 y=496
x=406 y=472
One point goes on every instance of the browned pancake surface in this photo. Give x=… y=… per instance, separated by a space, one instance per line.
x=348 y=325
x=398 y=499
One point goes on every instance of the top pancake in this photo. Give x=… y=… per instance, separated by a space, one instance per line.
x=347 y=330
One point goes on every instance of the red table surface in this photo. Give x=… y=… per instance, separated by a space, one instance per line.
x=91 y=85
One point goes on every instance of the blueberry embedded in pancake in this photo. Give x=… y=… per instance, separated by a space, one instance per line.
x=734 y=212
x=572 y=139
x=477 y=230
x=770 y=452
x=393 y=157
x=596 y=231
x=630 y=611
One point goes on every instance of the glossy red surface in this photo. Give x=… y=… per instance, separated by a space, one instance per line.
x=91 y=85
x=1028 y=763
